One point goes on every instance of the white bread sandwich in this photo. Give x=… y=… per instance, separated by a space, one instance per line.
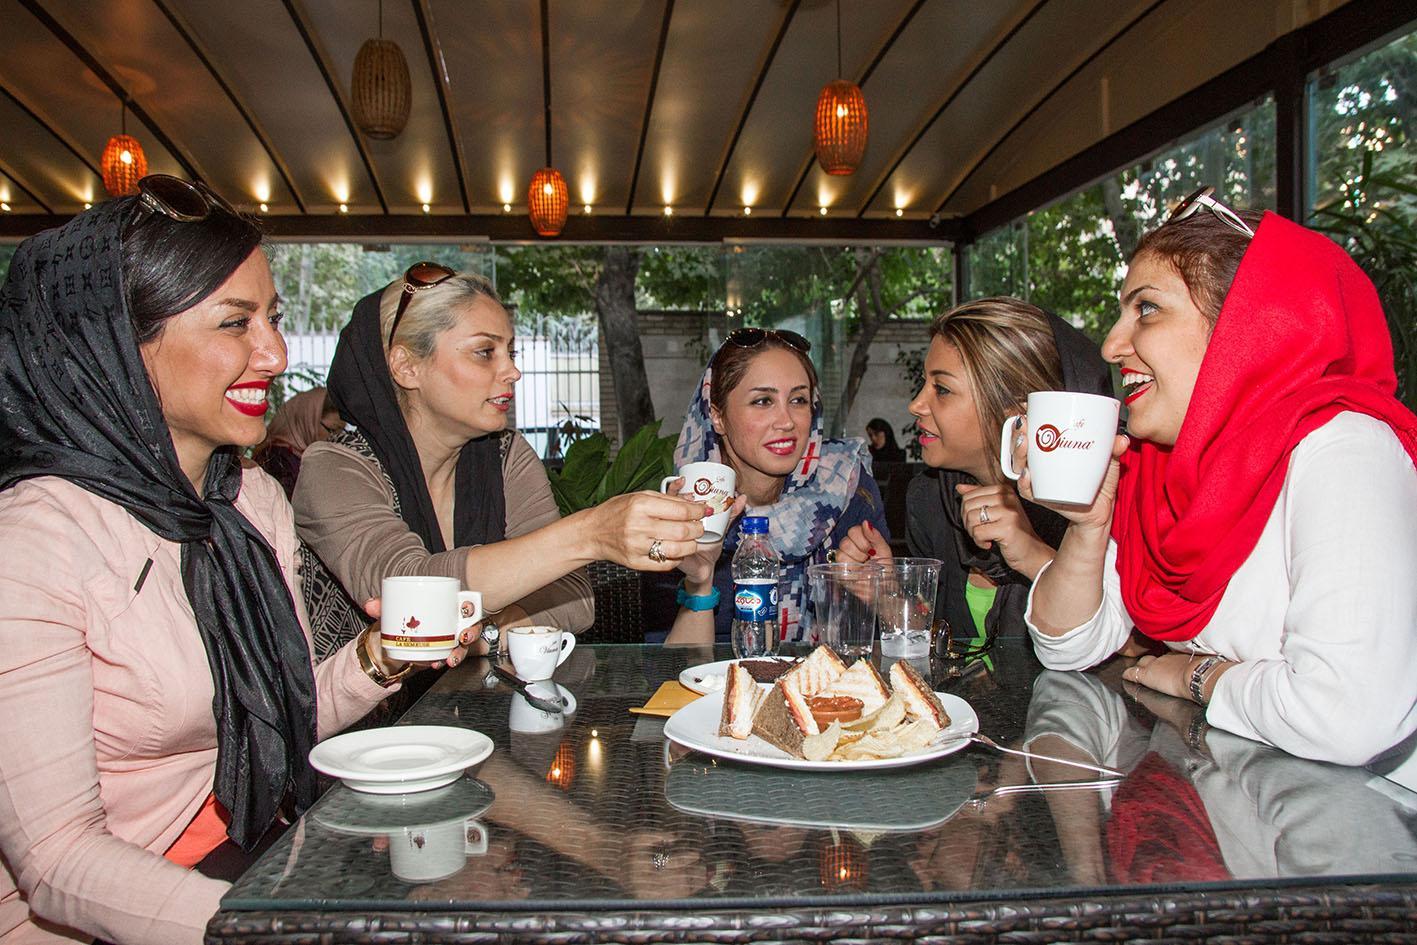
x=920 y=700
x=785 y=718
x=863 y=682
x=741 y=699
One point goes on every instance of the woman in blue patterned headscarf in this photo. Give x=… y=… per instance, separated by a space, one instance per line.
x=759 y=410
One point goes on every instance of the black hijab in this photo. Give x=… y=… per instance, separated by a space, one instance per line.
x=76 y=402
x=360 y=387
x=1085 y=372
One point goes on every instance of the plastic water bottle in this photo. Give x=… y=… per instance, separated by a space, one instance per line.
x=755 y=571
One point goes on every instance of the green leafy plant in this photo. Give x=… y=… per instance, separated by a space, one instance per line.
x=589 y=477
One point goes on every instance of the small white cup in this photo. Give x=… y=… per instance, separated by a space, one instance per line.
x=422 y=616
x=425 y=854
x=1069 y=445
x=712 y=484
x=537 y=651
x=527 y=718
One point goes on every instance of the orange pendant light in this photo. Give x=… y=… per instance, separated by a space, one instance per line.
x=839 y=132
x=548 y=201
x=380 y=89
x=123 y=162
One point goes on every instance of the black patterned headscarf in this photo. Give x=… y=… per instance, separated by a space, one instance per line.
x=76 y=402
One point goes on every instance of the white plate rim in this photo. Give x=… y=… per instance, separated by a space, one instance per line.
x=369 y=830
x=474 y=748
x=687 y=727
x=716 y=668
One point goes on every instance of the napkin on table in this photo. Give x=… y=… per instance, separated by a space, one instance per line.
x=668 y=699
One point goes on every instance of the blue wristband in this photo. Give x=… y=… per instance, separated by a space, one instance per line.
x=697 y=601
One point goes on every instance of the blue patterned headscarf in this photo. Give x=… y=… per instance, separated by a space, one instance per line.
x=813 y=500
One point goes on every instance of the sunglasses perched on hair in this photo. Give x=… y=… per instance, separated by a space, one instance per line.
x=182 y=200
x=421 y=275
x=752 y=337
x=1202 y=200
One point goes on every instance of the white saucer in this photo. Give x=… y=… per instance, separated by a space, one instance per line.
x=400 y=759
x=353 y=812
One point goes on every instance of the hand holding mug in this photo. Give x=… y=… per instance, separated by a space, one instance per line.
x=698 y=567
x=713 y=484
x=647 y=531
x=1099 y=513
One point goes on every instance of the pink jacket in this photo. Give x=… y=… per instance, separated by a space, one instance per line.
x=107 y=738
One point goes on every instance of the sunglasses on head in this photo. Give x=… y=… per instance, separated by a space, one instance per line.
x=421 y=275
x=752 y=337
x=1202 y=200
x=181 y=200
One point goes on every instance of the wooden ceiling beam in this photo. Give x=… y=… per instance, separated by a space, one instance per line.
x=301 y=19
x=49 y=127
x=904 y=152
x=649 y=103
x=189 y=166
x=1047 y=96
x=246 y=114
x=7 y=171
x=752 y=97
x=438 y=66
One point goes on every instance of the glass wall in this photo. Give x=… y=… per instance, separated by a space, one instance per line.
x=1069 y=257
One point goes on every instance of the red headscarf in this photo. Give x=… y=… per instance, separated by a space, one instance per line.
x=1301 y=337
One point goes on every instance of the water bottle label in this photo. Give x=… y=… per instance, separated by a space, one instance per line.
x=755 y=602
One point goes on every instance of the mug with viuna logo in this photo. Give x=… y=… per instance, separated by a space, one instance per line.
x=712 y=484
x=1069 y=444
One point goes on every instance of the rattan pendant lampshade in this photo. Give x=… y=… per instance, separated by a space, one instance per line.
x=123 y=162
x=548 y=201
x=839 y=132
x=380 y=89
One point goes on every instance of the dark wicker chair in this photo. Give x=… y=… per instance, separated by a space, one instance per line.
x=619 y=605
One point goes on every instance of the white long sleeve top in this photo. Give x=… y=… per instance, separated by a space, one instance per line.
x=1322 y=616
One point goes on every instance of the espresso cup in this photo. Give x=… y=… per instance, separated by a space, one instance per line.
x=422 y=616
x=712 y=484
x=1069 y=444
x=537 y=651
x=427 y=853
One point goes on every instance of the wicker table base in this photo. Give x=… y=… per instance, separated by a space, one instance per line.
x=1337 y=914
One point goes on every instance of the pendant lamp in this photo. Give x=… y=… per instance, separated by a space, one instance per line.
x=380 y=87
x=123 y=162
x=547 y=198
x=839 y=132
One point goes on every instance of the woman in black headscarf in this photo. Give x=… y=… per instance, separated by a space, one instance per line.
x=431 y=481
x=156 y=684
x=985 y=358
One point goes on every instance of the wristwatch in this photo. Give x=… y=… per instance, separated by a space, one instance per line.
x=372 y=670
x=1198 y=677
x=491 y=633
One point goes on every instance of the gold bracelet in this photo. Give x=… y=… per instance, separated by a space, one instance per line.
x=366 y=663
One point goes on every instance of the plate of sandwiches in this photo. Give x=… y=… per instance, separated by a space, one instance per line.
x=821 y=715
x=707 y=678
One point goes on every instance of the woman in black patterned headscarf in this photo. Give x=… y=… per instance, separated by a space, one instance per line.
x=155 y=673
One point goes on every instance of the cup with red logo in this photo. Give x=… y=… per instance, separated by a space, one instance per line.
x=1069 y=444
x=423 y=615
x=712 y=484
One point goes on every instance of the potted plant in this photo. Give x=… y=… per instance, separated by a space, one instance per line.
x=587 y=478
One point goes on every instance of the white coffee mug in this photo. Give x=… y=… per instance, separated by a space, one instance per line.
x=527 y=718
x=1069 y=444
x=537 y=651
x=712 y=484
x=422 y=616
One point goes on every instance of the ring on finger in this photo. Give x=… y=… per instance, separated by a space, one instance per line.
x=984 y=515
x=656 y=551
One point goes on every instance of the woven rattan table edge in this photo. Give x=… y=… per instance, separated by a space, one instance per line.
x=1341 y=913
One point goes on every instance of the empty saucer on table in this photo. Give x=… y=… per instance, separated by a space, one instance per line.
x=360 y=813
x=401 y=759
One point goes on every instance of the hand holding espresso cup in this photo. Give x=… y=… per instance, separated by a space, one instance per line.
x=713 y=484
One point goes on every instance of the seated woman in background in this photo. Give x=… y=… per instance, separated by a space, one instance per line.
x=985 y=358
x=758 y=410
x=156 y=683
x=431 y=482
x=881 y=438
x=306 y=418
x=1261 y=526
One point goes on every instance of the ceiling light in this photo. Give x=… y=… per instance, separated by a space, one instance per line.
x=839 y=132
x=668 y=210
x=344 y=208
x=4 y=207
x=88 y=206
x=587 y=208
x=265 y=208
x=547 y=201
x=822 y=211
x=747 y=211
x=123 y=162
x=427 y=208
x=900 y=212
x=380 y=87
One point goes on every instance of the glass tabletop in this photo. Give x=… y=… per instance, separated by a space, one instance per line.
x=597 y=811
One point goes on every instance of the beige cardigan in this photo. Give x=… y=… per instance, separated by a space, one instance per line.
x=344 y=511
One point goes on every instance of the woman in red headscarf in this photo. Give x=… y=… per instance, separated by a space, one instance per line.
x=1259 y=521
